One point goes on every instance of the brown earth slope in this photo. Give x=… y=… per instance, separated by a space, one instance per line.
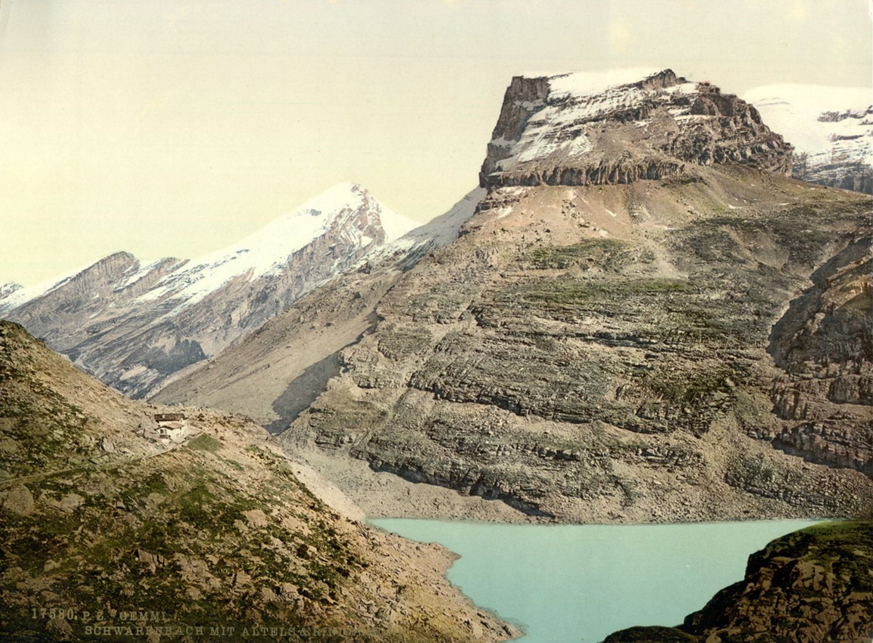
x=594 y=367
x=121 y=538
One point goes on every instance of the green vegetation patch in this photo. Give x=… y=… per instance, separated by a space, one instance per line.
x=604 y=252
x=206 y=443
x=573 y=293
x=688 y=387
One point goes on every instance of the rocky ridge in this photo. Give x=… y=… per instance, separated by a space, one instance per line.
x=110 y=535
x=136 y=324
x=613 y=378
x=288 y=361
x=811 y=586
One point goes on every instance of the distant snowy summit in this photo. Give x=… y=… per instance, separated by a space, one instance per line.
x=7 y=290
x=831 y=129
x=136 y=323
x=346 y=210
x=346 y=215
x=620 y=126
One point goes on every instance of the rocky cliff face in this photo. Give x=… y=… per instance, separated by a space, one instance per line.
x=109 y=535
x=831 y=128
x=824 y=344
x=135 y=324
x=619 y=127
x=592 y=353
x=597 y=354
x=812 y=586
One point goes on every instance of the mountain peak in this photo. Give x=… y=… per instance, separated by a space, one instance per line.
x=579 y=83
x=344 y=210
x=178 y=312
x=11 y=298
x=349 y=195
x=337 y=197
x=622 y=125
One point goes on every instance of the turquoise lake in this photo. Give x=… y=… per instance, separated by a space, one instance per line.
x=579 y=583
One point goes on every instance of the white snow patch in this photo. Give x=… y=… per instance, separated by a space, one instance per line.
x=587 y=83
x=793 y=110
x=556 y=128
x=395 y=225
x=502 y=142
x=137 y=272
x=441 y=230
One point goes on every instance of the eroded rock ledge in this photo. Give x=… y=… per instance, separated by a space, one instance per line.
x=824 y=343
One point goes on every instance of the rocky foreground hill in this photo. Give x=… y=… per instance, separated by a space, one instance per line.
x=108 y=534
x=811 y=585
x=136 y=324
x=645 y=319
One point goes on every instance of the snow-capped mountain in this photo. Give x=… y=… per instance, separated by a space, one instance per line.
x=13 y=295
x=620 y=126
x=831 y=129
x=135 y=323
x=347 y=211
x=7 y=290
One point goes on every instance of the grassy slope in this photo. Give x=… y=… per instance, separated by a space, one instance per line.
x=98 y=520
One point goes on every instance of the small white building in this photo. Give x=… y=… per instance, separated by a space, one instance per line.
x=172 y=427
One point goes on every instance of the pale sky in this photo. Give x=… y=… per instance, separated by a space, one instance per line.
x=176 y=127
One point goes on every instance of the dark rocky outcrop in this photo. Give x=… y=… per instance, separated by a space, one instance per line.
x=811 y=586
